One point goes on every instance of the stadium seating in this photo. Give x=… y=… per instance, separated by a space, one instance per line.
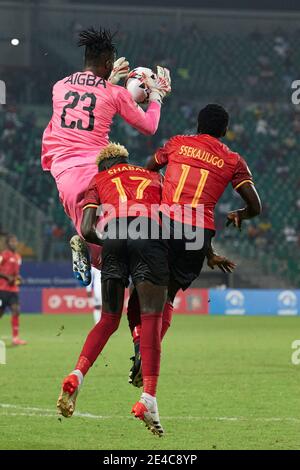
x=247 y=74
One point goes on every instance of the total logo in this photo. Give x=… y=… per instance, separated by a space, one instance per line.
x=69 y=301
x=287 y=303
x=235 y=301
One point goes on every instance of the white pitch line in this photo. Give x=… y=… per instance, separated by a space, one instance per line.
x=36 y=415
x=50 y=413
x=23 y=407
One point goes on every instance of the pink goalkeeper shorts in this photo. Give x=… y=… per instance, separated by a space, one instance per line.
x=72 y=184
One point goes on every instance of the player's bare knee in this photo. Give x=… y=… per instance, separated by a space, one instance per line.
x=151 y=297
x=112 y=296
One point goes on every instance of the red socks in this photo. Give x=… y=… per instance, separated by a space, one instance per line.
x=15 y=325
x=96 y=340
x=150 y=345
x=166 y=319
x=150 y=350
x=83 y=364
x=150 y=333
x=150 y=384
x=136 y=333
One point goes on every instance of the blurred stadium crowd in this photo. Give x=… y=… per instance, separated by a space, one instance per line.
x=250 y=74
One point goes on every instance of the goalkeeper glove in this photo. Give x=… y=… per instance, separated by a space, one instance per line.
x=160 y=86
x=120 y=70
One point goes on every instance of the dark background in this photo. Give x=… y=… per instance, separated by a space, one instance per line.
x=230 y=4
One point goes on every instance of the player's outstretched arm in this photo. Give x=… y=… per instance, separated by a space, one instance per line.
x=253 y=206
x=145 y=122
x=88 y=226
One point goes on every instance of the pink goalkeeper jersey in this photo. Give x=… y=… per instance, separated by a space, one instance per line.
x=83 y=109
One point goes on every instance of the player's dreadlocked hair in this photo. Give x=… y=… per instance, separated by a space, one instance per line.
x=111 y=155
x=213 y=120
x=98 y=44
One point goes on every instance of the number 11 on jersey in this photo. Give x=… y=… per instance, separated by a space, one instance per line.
x=185 y=171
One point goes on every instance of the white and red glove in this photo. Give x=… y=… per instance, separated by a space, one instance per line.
x=160 y=86
x=120 y=70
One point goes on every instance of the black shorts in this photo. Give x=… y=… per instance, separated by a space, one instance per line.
x=7 y=299
x=186 y=264
x=142 y=259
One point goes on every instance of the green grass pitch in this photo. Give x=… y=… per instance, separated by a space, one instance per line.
x=226 y=383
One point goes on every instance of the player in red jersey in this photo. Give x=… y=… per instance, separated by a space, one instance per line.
x=130 y=197
x=10 y=262
x=84 y=105
x=198 y=169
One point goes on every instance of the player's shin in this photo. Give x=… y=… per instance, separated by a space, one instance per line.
x=150 y=347
x=166 y=318
x=134 y=316
x=96 y=340
x=113 y=298
x=152 y=299
x=15 y=326
x=135 y=374
x=94 y=344
x=134 y=321
x=146 y=408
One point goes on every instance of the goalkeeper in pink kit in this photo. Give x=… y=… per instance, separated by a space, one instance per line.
x=84 y=105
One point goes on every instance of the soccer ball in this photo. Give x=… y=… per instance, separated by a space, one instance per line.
x=134 y=84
